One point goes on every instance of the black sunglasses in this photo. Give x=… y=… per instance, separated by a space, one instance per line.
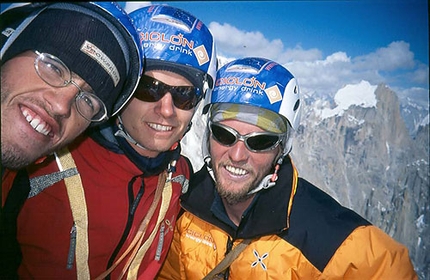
x=255 y=141
x=152 y=90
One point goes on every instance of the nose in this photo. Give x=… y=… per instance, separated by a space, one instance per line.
x=238 y=152
x=60 y=100
x=165 y=105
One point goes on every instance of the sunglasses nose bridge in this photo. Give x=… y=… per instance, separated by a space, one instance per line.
x=239 y=152
x=166 y=104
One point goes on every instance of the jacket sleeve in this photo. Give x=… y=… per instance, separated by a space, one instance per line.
x=369 y=253
x=171 y=268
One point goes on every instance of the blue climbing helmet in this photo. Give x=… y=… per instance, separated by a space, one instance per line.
x=176 y=41
x=262 y=84
x=104 y=25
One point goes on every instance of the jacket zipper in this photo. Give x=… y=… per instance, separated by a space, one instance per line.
x=133 y=203
x=160 y=243
x=72 y=247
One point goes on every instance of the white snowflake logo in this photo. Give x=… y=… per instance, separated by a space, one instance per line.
x=260 y=260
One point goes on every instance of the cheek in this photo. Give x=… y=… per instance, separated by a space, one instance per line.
x=264 y=161
x=136 y=108
x=184 y=116
x=216 y=150
x=76 y=125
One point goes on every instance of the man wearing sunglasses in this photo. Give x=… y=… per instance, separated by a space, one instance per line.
x=114 y=198
x=247 y=213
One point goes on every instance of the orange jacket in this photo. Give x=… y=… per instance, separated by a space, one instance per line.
x=297 y=232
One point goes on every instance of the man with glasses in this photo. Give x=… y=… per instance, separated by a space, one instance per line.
x=106 y=208
x=247 y=213
x=64 y=66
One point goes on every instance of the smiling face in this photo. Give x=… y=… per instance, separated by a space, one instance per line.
x=36 y=118
x=157 y=125
x=238 y=170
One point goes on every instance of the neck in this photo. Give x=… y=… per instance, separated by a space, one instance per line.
x=142 y=151
x=235 y=211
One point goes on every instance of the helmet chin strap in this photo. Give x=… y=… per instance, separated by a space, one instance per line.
x=124 y=134
x=270 y=180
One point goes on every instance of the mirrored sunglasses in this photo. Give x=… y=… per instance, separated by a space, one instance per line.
x=255 y=141
x=152 y=90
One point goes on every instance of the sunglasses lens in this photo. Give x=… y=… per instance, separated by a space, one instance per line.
x=262 y=142
x=222 y=135
x=255 y=143
x=152 y=90
x=148 y=90
x=184 y=97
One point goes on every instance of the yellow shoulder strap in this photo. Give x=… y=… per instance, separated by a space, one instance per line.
x=75 y=192
x=165 y=202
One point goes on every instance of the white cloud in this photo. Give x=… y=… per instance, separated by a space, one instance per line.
x=299 y=54
x=421 y=74
x=396 y=55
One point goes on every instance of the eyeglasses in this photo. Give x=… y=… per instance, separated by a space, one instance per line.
x=55 y=73
x=152 y=90
x=255 y=141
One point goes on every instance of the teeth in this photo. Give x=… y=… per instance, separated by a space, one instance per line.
x=37 y=124
x=235 y=171
x=160 y=127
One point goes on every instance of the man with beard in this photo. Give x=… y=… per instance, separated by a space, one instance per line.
x=247 y=213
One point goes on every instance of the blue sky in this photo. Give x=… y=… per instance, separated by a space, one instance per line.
x=326 y=44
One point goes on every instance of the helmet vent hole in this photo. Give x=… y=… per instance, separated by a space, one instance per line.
x=296 y=106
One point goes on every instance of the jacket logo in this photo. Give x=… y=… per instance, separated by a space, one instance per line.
x=203 y=238
x=260 y=260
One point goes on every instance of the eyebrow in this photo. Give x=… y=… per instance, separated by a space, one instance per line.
x=86 y=87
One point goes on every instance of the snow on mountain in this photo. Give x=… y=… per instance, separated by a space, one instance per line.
x=425 y=121
x=361 y=94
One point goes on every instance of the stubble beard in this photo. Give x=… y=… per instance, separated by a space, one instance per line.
x=231 y=197
x=234 y=195
x=11 y=158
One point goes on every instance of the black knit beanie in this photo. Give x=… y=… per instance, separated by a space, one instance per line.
x=86 y=42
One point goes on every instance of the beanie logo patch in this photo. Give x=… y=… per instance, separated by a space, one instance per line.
x=102 y=59
x=201 y=55
x=273 y=94
x=8 y=31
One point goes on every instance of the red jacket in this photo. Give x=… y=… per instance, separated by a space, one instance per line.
x=111 y=183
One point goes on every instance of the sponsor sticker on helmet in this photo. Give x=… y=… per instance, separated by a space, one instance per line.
x=273 y=94
x=201 y=55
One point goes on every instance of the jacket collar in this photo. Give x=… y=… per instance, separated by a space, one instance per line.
x=268 y=213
